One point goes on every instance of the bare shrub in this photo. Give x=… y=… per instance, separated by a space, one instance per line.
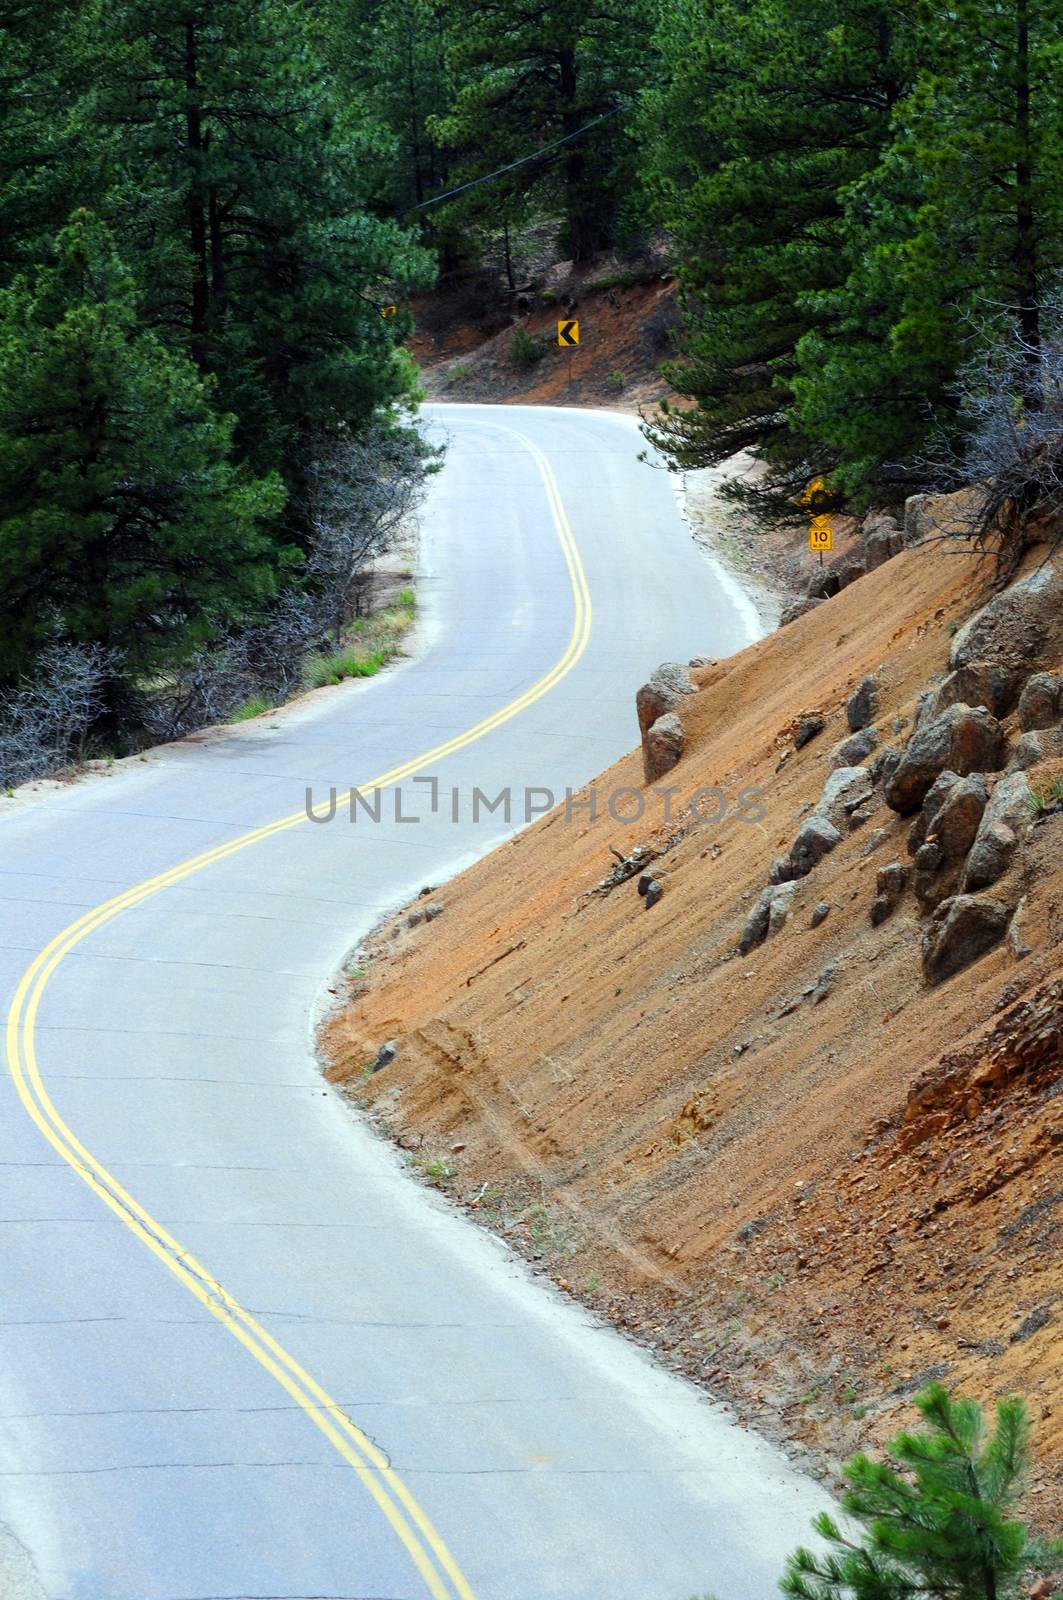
x=45 y=720
x=361 y=491
x=1011 y=401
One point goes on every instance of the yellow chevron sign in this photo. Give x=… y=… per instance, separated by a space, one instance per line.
x=567 y=333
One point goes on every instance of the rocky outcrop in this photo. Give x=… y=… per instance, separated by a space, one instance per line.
x=798 y=608
x=962 y=739
x=663 y=692
x=1041 y=702
x=663 y=745
x=860 y=706
x=883 y=539
x=855 y=750
x=960 y=930
x=807 y=726
x=1040 y=744
x=1019 y=627
x=890 y=884
x=845 y=789
x=815 y=838
x=981 y=683
x=770 y=912
x=1005 y=819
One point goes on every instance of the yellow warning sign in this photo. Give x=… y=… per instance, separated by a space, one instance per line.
x=568 y=333
x=820 y=523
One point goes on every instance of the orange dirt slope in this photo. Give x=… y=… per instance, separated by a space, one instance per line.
x=689 y=1139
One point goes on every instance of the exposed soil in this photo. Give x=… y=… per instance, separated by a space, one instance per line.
x=810 y=1205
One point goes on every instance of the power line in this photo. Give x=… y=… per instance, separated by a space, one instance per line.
x=512 y=166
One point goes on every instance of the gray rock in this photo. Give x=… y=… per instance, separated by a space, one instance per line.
x=663 y=745
x=845 y=789
x=877 y=836
x=385 y=1055
x=807 y=728
x=823 y=582
x=979 y=683
x=780 y=905
x=782 y=870
x=768 y=915
x=880 y=544
x=414 y=919
x=881 y=907
x=892 y=880
x=1041 y=701
x=860 y=706
x=644 y=882
x=962 y=739
x=955 y=823
x=1007 y=815
x=654 y=891
x=1041 y=744
x=961 y=929
x=436 y=909
x=919 y=519
x=816 y=836
x=1017 y=942
x=1017 y=627
x=660 y=694
x=849 y=568
x=798 y=608
x=928 y=857
x=820 y=913
x=701 y=661
x=854 y=750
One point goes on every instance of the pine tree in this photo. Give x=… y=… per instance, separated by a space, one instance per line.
x=959 y=227
x=122 y=521
x=938 y=1519
x=534 y=71
x=244 y=197
x=769 y=112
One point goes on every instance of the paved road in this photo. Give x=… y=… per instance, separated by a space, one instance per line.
x=241 y=1352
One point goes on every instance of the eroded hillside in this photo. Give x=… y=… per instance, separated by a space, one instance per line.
x=764 y=1125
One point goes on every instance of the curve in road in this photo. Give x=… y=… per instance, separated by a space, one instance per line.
x=500 y=605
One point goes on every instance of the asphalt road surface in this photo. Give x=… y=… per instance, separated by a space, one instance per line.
x=242 y=1352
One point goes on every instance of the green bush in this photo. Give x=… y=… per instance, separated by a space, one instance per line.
x=252 y=708
x=524 y=351
x=616 y=381
x=934 y=1519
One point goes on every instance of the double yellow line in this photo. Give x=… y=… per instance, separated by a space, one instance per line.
x=441 y=1575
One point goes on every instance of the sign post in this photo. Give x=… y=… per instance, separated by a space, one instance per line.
x=568 y=338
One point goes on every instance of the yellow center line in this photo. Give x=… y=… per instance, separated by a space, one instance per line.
x=441 y=1575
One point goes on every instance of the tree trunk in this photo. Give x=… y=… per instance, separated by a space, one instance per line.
x=1029 y=315
x=197 y=223
x=581 y=229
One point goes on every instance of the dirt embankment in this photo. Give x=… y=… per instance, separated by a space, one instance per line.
x=801 y=1174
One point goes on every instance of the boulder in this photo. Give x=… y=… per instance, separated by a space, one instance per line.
x=1040 y=744
x=920 y=521
x=808 y=724
x=820 y=913
x=768 y=915
x=663 y=745
x=981 y=683
x=1007 y=815
x=1018 y=627
x=933 y=801
x=856 y=749
x=846 y=788
x=654 y=891
x=1041 y=701
x=961 y=929
x=890 y=883
x=962 y=739
x=660 y=694
x=798 y=608
x=815 y=838
x=860 y=706
x=385 y=1056
x=955 y=823
x=823 y=582
x=882 y=540
x=849 y=568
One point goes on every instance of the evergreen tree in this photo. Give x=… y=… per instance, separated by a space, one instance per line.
x=769 y=112
x=244 y=196
x=939 y=1522
x=122 y=521
x=961 y=223
x=534 y=71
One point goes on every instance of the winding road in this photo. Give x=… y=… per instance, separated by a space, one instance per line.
x=242 y=1353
